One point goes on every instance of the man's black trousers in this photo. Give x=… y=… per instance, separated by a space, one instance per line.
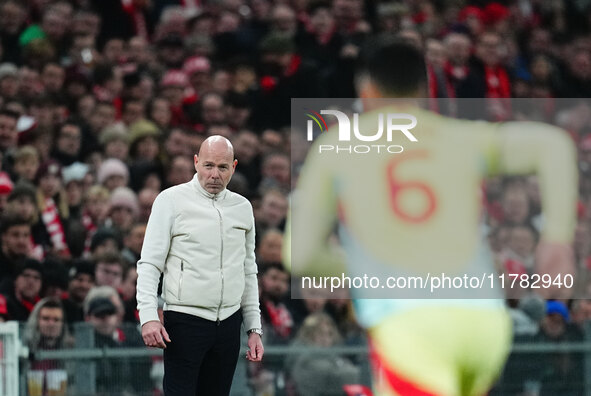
x=201 y=358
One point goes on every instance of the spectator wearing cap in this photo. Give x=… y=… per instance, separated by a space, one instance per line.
x=67 y=145
x=73 y=178
x=198 y=69
x=559 y=373
x=26 y=288
x=9 y=81
x=104 y=240
x=81 y=277
x=26 y=163
x=124 y=209
x=115 y=142
x=15 y=236
x=104 y=311
x=144 y=139
x=113 y=173
x=174 y=87
x=170 y=50
x=51 y=200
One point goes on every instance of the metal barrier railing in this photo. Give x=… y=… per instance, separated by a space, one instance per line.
x=86 y=366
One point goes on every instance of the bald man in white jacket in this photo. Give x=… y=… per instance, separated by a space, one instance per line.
x=201 y=236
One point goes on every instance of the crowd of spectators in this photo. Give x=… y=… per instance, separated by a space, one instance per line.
x=104 y=102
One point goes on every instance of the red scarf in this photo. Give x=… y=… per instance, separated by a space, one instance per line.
x=280 y=318
x=455 y=73
x=139 y=21
x=90 y=228
x=53 y=223
x=29 y=305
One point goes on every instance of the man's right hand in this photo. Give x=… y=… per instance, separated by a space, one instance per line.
x=154 y=334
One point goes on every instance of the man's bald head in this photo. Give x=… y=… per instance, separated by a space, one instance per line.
x=215 y=164
x=217 y=143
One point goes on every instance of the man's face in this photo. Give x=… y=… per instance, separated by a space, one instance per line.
x=104 y=324
x=16 y=241
x=215 y=166
x=8 y=133
x=51 y=322
x=553 y=325
x=178 y=144
x=275 y=283
x=181 y=171
x=103 y=116
x=108 y=274
x=68 y=140
x=247 y=147
x=24 y=206
x=28 y=284
x=12 y=17
x=79 y=286
x=274 y=208
x=53 y=77
x=135 y=239
x=27 y=168
x=489 y=49
x=270 y=247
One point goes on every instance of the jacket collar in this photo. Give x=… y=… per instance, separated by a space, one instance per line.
x=203 y=192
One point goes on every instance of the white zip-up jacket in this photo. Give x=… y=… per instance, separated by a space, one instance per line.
x=204 y=244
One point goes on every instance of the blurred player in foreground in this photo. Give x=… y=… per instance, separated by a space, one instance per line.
x=419 y=211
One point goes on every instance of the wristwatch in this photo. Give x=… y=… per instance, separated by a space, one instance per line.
x=257 y=331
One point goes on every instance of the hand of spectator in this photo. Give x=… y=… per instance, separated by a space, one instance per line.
x=556 y=260
x=154 y=334
x=255 y=348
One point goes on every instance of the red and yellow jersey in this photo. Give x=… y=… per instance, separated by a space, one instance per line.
x=419 y=211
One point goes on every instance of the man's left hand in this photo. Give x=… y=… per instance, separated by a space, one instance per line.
x=255 y=348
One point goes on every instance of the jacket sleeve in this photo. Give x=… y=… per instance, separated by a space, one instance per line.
x=251 y=311
x=153 y=257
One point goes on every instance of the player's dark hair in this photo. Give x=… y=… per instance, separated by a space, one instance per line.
x=397 y=67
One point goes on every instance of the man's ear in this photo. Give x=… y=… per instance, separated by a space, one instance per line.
x=234 y=164
x=195 y=161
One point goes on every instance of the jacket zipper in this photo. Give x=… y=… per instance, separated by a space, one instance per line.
x=181 y=279
x=221 y=259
